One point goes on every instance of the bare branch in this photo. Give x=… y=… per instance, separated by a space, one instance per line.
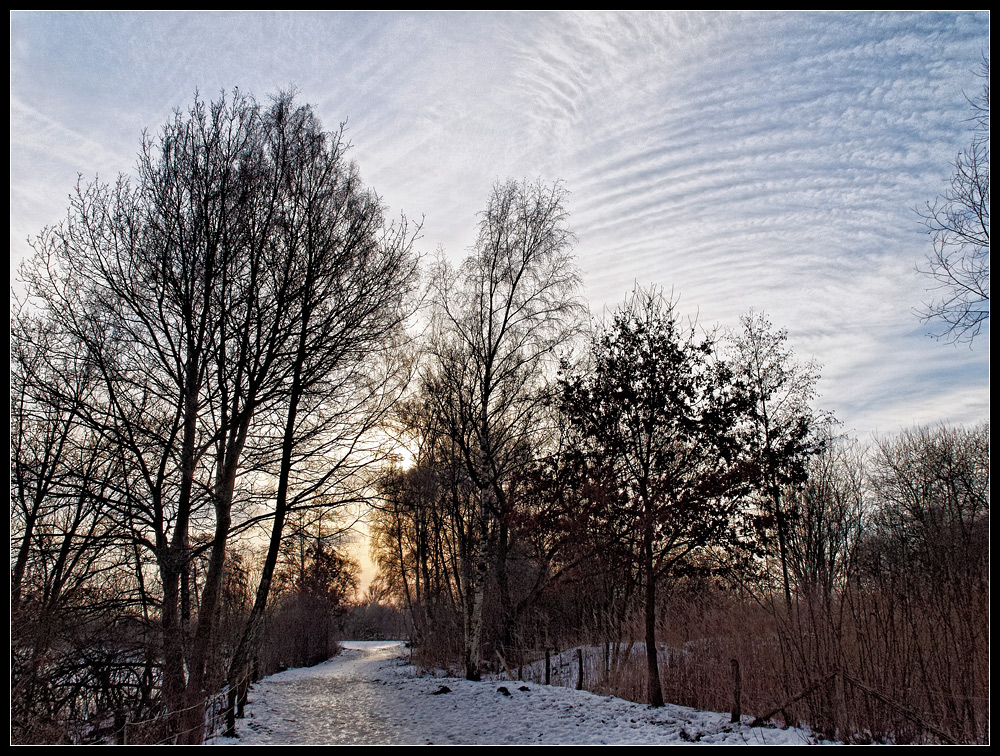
x=959 y=226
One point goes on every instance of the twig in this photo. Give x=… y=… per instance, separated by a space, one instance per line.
x=762 y=720
x=947 y=738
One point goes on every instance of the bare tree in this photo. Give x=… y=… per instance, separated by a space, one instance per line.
x=921 y=589
x=829 y=520
x=143 y=276
x=499 y=322
x=348 y=274
x=783 y=431
x=424 y=532
x=958 y=222
x=64 y=538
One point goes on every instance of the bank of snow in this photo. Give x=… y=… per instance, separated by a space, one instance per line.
x=369 y=694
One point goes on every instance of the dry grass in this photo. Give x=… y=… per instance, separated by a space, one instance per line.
x=915 y=685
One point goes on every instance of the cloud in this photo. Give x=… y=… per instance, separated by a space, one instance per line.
x=765 y=160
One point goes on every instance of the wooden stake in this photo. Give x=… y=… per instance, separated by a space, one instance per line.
x=737 y=691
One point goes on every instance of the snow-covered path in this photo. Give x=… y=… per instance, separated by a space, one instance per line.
x=344 y=700
x=368 y=694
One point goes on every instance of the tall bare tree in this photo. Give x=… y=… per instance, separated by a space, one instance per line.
x=147 y=276
x=783 y=430
x=346 y=274
x=958 y=222
x=499 y=323
x=64 y=537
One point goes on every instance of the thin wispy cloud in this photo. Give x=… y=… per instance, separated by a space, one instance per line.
x=744 y=160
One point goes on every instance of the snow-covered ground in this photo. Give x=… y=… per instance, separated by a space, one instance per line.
x=369 y=694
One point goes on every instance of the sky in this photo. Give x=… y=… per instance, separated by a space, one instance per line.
x=368 y=694
x=764 y=161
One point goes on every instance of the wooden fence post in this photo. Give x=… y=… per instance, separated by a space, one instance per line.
x=548 y=667
x=579 y=669
x=231 y=697
x=737 y=691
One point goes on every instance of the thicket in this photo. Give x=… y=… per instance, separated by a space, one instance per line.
x=888 y=623
x=849 y=585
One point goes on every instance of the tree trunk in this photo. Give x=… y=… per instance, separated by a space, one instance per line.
x=654 y=693
x=473 y=647
x=239 y=667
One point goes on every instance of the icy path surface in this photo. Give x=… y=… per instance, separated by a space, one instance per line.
x=368 y=694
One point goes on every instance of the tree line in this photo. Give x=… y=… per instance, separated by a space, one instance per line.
x=203 y=353
x=612 y=486
x=214 y=367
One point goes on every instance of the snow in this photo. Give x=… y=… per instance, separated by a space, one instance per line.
x=370 y=694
